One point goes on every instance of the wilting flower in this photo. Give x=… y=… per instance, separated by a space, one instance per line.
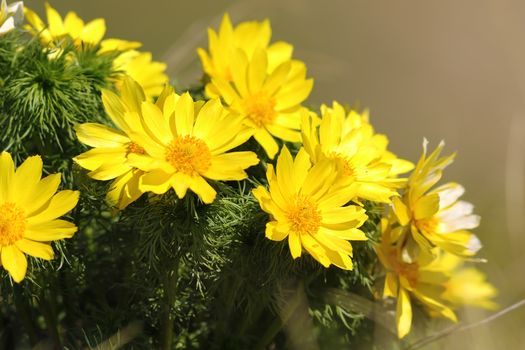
x=436 y=217
x=138 y=65
x=187 y=142
x=258 y=81
x=307 y=206
x=29 y=212
x=108 y=159
x=361 y=155
x=10 y=16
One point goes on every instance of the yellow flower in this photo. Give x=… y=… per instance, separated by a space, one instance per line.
x=306 y=204
x=141 y=68
x=29 y=211
x=185 y=142
x=467 y=285
x=108 y=159
x=257 y=81
x=10 y=16
x=247 y=37
x=138 y=65
x=435 y=217
x=407 y=280
x=361 y=155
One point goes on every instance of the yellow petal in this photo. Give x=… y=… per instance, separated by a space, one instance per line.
x=401 y=211
x=155 y=181
x=36 y=249
x=7 y=172
x=203 y=189
x=26 y=178
x=124 y=190
x=14 y=262
x=267 y=142
x=230 y=166
x=391 y=285
x=294 y=241
x=98 y=135
x=403 y=313
x=274 y=232
x=50 y=231
x=426 y=206
x=94 y=31
x=156 y=123
x=60 y=204
x=45 y=189
x=55 y=24
x=184 y=116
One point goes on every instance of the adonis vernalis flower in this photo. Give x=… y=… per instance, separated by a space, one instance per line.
x=435 y=217
x=108 y=159
x=29 y=212
x=257 y=81
x=10 y=16
x=185 y=142
x=408 y=280
x=138 y=65
x=307 y=206
x=361 y=155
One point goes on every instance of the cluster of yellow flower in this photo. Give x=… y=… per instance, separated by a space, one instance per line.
x=315 y=200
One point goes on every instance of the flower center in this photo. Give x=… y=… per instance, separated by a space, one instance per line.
x=427 y=225
x=303 y=215
x=188 y=155
x=410 y=271
x=260 y=108
x=344 y=163
x=12 y=224
x=134 y=148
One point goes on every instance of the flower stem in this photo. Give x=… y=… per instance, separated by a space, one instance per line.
x=24 y=312
x=170 y=290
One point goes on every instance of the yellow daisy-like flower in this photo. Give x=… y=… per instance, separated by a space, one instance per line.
x=138 y=65
x=257 y=81
x=407 y=280
x=185 y=142
x=247 y=37
x=467 y=285
x=29 y=212
x=361 y=155
x=108 y=159
x=306 y=204
x=436 y=217
x=141 y=68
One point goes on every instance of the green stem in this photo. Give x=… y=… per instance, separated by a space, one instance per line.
x=170 y=290
x=51 y=321
x=24 y=312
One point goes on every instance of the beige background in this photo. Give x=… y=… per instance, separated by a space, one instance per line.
x=449 y=69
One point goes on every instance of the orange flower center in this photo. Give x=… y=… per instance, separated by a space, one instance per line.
x=408 y=270
x=12 y=224
x=427 y=225
x=188 y=155
x=344 y=163
x=304 y=215
x=134 y=148
x=260 y=108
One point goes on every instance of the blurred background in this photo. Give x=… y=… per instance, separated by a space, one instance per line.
x=451 y=70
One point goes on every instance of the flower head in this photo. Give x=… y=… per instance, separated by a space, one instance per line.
x=408 y=279
x=361 y=155
x=187 y=142
x=29 y=212
x=307 y=206
x=58 y=31
x=257 y=80
x=10 y=16
x=112 y=146
x=436 y=217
